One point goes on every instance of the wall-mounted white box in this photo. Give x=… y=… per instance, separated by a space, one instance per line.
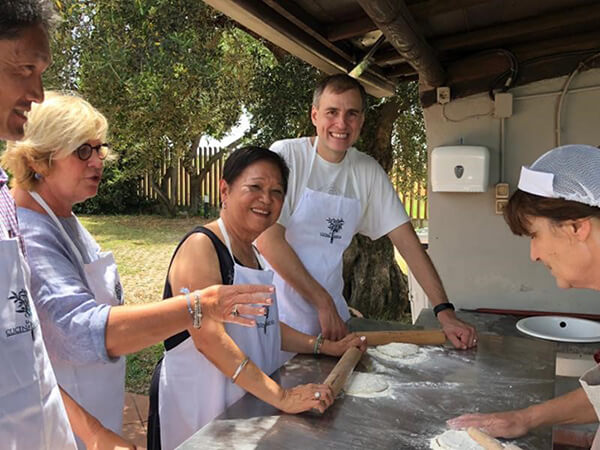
x=460 y=168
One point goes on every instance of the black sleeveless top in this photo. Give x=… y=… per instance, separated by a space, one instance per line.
x=225 y=265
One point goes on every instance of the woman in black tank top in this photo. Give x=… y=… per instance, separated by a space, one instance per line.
x=252 y=193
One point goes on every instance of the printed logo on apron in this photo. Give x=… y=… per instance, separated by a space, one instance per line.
x=335 y=225
x=22 y=305
x=320 y=228
x=32 y=414
x=192 y=391
x=266 y=322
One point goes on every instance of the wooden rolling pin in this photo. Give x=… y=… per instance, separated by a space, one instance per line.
x=342 y=370
x=485 y=440
x=420 y=337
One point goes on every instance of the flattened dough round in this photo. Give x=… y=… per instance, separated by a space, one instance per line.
x=454 y=440
x=398 y=350
x=365 y=384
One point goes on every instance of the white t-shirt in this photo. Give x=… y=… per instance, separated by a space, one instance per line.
x=381 y=209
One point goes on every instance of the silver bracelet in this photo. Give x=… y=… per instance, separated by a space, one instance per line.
x=239 y=369
x=197 y=310
x=186 y=291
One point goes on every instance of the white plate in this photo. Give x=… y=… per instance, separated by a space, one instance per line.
x=562 y=329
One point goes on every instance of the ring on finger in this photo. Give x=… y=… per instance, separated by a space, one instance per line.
x=235 y=312
x=317 y=395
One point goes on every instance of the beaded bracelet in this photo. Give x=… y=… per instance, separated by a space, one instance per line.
x=197 y=310
x=186 y=291
x=318 y=343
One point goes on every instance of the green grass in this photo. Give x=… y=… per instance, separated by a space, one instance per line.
x=142 y=246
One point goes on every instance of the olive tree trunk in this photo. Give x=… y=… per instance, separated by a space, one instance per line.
x=373 y=281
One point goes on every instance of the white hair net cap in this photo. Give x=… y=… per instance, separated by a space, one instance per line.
x=570 y=172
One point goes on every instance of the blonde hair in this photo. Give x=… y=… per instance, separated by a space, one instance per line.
x=54 y=130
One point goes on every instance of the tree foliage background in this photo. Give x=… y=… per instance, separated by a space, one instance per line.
x=166 y=72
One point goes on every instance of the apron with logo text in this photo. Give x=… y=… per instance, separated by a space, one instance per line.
x=192 y=391
x=32 y=414
x=320 y=229
x=98 y=387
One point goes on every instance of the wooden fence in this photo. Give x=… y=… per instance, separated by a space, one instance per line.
x=415 y=203
x=179 y=188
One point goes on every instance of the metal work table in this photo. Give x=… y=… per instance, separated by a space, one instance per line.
x=506 y=371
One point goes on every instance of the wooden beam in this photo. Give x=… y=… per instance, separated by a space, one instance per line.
x=388 y=55
x=537 y=61
x=394 y=20
x=302 y=20
x=508 y=33
x=420 y=11
x=577 y=43
x=424 y=10
x=400 y=70
x=354 y=28
x=262 y=20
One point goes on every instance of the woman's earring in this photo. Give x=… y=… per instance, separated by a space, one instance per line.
x=37 y=176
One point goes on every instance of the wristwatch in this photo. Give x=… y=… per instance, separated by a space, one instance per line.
x=441 y=307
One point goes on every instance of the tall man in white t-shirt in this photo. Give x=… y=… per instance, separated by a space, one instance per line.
x=334 y=192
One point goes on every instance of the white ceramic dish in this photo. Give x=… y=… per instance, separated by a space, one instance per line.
x=562 y=329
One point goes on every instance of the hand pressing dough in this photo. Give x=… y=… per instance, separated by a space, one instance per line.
x=460 y=440
x=397 y=350
x=365 y=385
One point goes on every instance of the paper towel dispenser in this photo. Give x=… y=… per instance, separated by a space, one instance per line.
x=460 y=168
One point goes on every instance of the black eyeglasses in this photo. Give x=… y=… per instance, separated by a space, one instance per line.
x=84 y=151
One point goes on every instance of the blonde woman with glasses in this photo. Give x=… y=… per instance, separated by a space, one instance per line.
x=76 y=286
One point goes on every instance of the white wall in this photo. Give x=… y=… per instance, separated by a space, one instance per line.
x=481 y=263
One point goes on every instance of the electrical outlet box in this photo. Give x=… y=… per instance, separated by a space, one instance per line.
x=503 y=105
x=502 y=190
x=443 y=95
x=500 y=205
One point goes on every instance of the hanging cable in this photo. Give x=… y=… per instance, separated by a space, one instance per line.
x=563 y=94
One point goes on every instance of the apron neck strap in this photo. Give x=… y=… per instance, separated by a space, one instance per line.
x=228 y=244
x=225 y=236
x=40 y=201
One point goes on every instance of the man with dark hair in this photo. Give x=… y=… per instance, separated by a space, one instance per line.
x=32 y=413
x=334 y=192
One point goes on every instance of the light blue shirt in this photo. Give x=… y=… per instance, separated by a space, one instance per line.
x=73 y=324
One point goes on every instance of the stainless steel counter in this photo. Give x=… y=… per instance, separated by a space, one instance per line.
x=506 y=371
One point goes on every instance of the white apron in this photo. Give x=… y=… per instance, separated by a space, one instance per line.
x=590 y=381
x=98 y=387
x=192 y=391
x=320 y=229
x=32 y=414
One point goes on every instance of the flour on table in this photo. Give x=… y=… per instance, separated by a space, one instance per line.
x=398 y=353
x=397 y=350
x=454 y=440
x=365 y=385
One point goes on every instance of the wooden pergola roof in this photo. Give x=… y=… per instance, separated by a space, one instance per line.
x=470 y=45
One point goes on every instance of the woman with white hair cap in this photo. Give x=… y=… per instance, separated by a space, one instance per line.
x=557 y=205
x=75 y=286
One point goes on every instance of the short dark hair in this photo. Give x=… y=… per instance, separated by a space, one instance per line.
x=246 y=156
x=17 y=15
x=523 y=205
x=339 y=83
